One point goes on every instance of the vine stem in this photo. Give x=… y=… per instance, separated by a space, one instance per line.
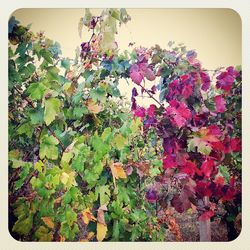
x=151 y=96
x=33 y=106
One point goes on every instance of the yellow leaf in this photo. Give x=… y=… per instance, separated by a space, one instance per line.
x=48 y=221
x=93 y=107
x=68 y=179
x=101 y=231
x=91 y=235
x=39 y=166
x=120 y=172
x=117 y=170
x=87 y=216
x=64 y=178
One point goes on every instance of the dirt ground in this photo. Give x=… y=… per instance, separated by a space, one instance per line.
x=189 y=227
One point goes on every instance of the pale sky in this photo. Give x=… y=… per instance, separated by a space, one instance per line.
x=215 y=34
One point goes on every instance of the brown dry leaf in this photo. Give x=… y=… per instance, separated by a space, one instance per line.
x=103 y=207
x=142 y=166
x=48 y=221
x=87 y=216
x=84 y=240
x=62 y=238
x=93 y=107
x=101 y=231
x=58 y=200
x=100 y=214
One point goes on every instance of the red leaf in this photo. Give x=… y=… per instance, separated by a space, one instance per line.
x=169 y=162
x=232 y=145
x=184 y=77
x=220 y=104
x=151 y=110
x=230 y=194
x=206 y=215
x=190 y=169
x=178 y=113
x=202 y=189
x=205 y=80
x=135 y=74
x=214 y=130
x=136 y=77
x=182 y=202
x=187 y=90
x=177 y=204
x=235 y=144
x=208 y=168
x=149 y=74
x=226 y=79
x=219 y=180
x=140 y=112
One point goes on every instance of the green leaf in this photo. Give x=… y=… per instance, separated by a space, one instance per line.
x=36 y=116
x=48 y=148
x=52 y=108
x=120 y=141
x=53 y=73
x=154 y=171
x=157 y=163
x=26 y=128
x=98 y=94
x=225 y=173
x=123 y=195
x=106 y=135
x=22 y=176
x=71 y=216
x=202 y=146
x=104 y=194
x=78 y=163
x=136 y=124
x=124 y=15
x=44 y=234
x=36 y=90
x=21 y=49
x=66 y=157
x=65 y=63
x=98 y=167
x=116 y=231
x=87 y=17
x=69 y=232
x=90 y=177
x=23 y=225
x=10 y=52
x=14 y=77
x=46 y=55
x=78 y=112
x=31 y=67
x=107 y=42
x=99 y=146
x=115 y=13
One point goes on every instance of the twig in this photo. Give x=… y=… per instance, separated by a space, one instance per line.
x=53 y=133
x=151 y=96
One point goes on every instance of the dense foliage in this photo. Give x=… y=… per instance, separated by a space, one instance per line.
x=87 y=164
